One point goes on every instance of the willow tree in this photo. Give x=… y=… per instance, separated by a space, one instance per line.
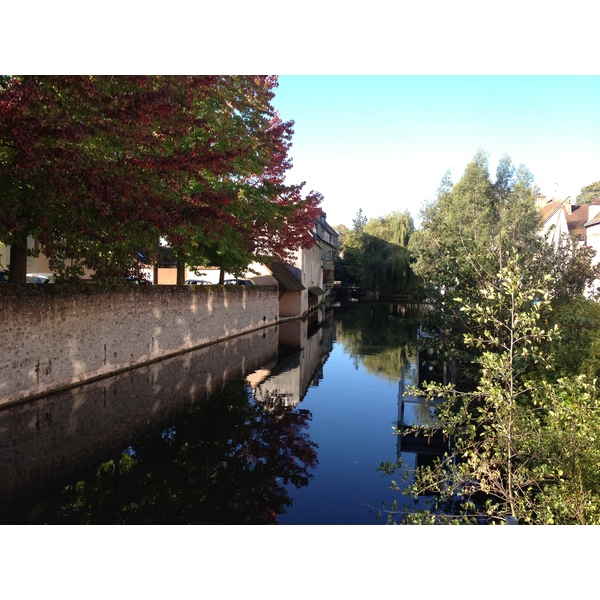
x=375 y=252
x=386 y=260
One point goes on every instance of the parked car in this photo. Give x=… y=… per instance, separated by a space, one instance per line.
x=197 y=282
x=3 y=276
x=137 y=280
x=40 y=278
x=247 y=282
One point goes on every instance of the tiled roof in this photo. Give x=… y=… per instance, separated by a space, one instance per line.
x=285 y=277
x=576 y=220
x=550 y=208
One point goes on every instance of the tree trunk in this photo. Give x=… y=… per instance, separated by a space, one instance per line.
x=180 y=272
x=221 y=276
x=18 y=261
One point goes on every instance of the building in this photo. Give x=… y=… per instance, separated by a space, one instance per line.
x=306 y=281
x=581 y=222
x=554 y=218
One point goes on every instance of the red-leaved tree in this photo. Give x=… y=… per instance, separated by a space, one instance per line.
x=97 y=168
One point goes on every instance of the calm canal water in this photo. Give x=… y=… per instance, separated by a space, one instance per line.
x=283 y=426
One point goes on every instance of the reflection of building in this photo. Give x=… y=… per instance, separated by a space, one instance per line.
x=51 y=439
x=302 y=354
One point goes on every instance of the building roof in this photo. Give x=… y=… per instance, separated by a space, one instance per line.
x=329 y=228
x=595 y=219
x=285 y=277
x=576 y=220
x=550 y=208
x=316 y=290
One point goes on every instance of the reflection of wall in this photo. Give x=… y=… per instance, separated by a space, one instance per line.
x=51 y=340
x=46 y=440
x=301 y=358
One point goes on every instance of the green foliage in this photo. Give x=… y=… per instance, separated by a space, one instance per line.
x=358 y=223
x=470 y=232
x=374 y=253
x=569 y=475
x=395 y=228
x=98 y=167
x=589 y=193
x=578 y=349
x=523 y=444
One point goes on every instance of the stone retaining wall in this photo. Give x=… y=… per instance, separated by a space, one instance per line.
x=53 y=338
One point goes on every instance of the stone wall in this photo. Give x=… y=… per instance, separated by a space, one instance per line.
x=53 y=338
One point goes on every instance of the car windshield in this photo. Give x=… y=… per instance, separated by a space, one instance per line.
x=40 y=278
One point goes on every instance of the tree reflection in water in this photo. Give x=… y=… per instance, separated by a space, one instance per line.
x=380 y=336
x=225 y=462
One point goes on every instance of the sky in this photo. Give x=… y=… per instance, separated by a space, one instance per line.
x=383 y=143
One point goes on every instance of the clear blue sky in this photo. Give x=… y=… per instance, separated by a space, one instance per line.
x=383 y=143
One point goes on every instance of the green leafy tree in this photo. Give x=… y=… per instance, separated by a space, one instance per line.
x=514 y=452
x=386 y=259
x=349 y=267
x=342 y=232
x=577 y=351
x=374 y=253
x=359 y=222
x=468 y=233
x=589 y=193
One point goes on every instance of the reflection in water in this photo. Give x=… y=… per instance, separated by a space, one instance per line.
x=415 y=412
x=421 y=442
x=218 y=464
x=204 y=450
x=302 y=354
x=386 y=343
x=381 y=337
x=224 y=435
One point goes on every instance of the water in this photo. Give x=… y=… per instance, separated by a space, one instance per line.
x=284 y=426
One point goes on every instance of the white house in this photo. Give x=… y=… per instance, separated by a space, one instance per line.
x=580 y=221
